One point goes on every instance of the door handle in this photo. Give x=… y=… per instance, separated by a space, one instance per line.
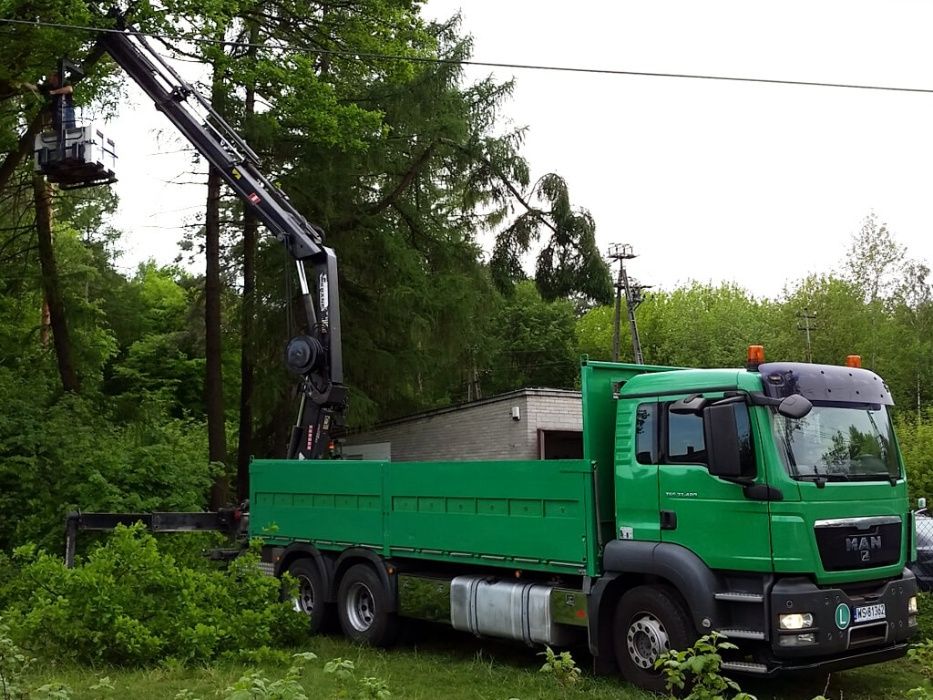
x=668 y=520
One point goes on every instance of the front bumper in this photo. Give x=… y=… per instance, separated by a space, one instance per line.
x=824 y=665
x=835 y=634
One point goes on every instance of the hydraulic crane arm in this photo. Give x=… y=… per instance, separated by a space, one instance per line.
x=317 y=356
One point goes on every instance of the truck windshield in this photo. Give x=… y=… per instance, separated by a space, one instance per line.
x=852 y=443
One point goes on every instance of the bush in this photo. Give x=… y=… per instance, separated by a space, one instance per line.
x=915 y=438
x=66 y=452
x=698 y=671
x=924 y=616
x=132 y=604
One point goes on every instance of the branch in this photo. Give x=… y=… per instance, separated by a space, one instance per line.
x=14 y=158
x=12 y=88
x=389 y=199
x=403 y=184
x=505 y=181
x=413 y=227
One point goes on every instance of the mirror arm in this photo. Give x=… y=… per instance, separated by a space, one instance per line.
x=740 y=480
x=756 y=398
x=731 y=397
x=754 y=491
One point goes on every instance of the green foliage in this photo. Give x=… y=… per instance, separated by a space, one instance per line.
x=915 y=438
x=692 y=326
x=53 y=691
x=533 y=343
x=343 y=670
x=66 y=452
x=13 y=665
x=924 y=615
x=129 y=603
x=561 y=667
x=922 y=656
x=697 y=671
x=255 y=686
x=368 y=687
x=374 y=688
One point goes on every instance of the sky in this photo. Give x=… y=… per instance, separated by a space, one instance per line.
x=755 y=184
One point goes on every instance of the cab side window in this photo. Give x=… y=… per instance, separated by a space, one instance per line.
x=646 y=433
x=685 y=441
x=746 y=449
x=684 y=438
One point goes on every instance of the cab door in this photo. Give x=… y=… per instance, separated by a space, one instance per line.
x=706 y=514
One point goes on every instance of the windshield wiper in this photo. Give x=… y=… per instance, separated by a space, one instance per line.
x=875 y=477
x=821 y=479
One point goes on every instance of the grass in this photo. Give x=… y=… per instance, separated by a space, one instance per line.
x=441 y=663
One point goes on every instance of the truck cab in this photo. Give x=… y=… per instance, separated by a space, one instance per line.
x=773 y=500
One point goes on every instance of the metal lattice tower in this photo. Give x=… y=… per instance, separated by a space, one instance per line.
x=621 y=252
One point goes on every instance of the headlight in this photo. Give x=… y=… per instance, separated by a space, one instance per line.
x=795 y=621
x=912 y=605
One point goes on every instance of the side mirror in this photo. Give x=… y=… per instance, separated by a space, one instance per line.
x=795 y=406
x=721 y=434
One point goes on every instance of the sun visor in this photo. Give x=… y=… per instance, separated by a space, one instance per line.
x=824 y=383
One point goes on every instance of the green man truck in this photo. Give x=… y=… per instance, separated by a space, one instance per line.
x=767 y=503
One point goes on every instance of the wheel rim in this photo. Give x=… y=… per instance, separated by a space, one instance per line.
x=360 y=606
x=304 y=600
x=646 y=640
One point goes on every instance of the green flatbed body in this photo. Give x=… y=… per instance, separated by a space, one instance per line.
x=537 y=515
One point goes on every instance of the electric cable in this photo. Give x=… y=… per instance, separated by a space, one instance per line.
x=481 y=64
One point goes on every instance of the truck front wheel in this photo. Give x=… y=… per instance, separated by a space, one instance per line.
x=363 y=607
x=649 y=620
x=309 y=596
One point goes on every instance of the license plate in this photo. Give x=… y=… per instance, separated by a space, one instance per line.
x=867 y=613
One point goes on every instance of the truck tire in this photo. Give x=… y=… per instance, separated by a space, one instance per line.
x=649 y=620
x=310 y=596
x=363 y=608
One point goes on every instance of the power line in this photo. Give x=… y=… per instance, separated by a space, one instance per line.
x=481 y=64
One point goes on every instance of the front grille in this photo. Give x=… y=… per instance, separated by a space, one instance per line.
x=858 y=543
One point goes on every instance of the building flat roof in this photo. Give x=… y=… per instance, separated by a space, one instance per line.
x=498 y=398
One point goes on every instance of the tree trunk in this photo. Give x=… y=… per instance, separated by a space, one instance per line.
x=50 y=287
x=23 y=148
x=248 y=308
x=213 y=374
x=247 y=354
x=45 y=324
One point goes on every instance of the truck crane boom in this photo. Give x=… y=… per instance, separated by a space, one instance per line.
x=317 y=355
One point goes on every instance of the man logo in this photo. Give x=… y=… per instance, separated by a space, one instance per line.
x=864 y=545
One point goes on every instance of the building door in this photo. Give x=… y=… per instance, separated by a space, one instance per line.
x=560 y=444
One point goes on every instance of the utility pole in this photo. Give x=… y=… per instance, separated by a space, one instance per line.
x=805 y=326
x=621 y=252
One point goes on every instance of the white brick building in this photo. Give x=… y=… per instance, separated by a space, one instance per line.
x=523 y=424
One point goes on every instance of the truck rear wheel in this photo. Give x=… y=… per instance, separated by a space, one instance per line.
x=310 y=595
x=363 y=608
x=649 y=620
